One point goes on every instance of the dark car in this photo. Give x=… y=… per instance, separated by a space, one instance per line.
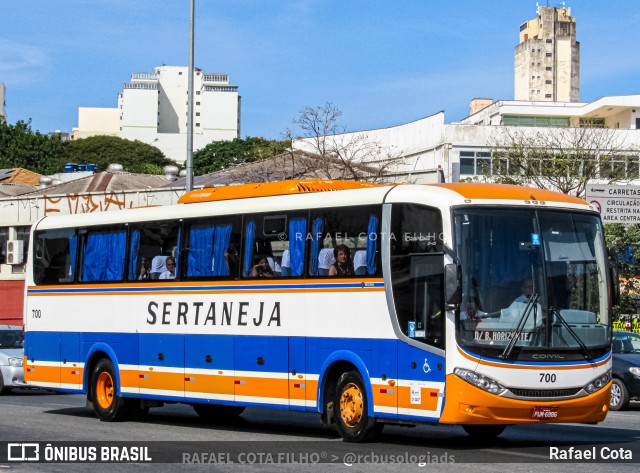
x=626 y=369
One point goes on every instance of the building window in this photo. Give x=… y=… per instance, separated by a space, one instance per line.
x=549 y=41
x=197 y=103
x=549 y=54
x=549 y=68
x=548 y=96
x=547 y=82
x=197 y=124
x=475 y=163
x=197 y=92
x=538 y=121
x=179 y=73
x=197 y=114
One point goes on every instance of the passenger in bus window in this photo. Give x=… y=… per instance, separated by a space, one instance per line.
x=343 y=265
x=170 y=273
x=262 y=269
x=144 y=269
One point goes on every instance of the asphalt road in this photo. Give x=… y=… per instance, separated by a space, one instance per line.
x=270 y=440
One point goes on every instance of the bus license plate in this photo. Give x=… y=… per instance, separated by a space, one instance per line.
x=545 y=413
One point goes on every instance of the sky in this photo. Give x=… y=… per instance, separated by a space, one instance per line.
x=380 y=63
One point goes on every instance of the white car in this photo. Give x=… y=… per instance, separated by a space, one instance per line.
x=11 y=354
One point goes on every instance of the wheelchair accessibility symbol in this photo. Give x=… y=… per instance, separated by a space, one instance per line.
x=426 y=368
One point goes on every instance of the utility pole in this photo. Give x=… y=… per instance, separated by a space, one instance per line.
x=189 y=162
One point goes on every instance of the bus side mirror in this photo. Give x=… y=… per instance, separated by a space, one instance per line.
x=452 y=285
x=614 y=274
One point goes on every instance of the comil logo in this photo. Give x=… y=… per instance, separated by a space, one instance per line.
x=23 y=452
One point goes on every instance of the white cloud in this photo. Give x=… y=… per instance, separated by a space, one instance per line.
x=21 y=63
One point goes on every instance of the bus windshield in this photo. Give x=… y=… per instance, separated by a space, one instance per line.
x=531 y=279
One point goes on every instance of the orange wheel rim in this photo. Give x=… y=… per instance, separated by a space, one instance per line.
x=351 y=403
x=105 y=390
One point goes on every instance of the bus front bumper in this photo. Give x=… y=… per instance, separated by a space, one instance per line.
x=467 y=404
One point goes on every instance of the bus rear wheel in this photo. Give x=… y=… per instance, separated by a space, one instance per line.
x=108 y=406
x=351 y=410
x=486 y=432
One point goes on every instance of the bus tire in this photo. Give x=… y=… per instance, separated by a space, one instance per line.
x=106 y=404
x=351 y=410
x=619 y=396
x=217 y=413
x=486 y=432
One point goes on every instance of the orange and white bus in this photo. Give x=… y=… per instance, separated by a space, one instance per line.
x=369 y=304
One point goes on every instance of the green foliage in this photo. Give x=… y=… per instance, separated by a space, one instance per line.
x=219 y=155
x=22 y=147
x=625 y=239
x=135 y=156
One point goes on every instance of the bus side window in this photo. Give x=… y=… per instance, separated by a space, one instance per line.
x=357 y=228
x=277 y=238
x=54 y=261
x=212 y=248
x=103 y=254
x=153 y=242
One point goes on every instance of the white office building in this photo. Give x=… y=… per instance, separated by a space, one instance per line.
x=463 y=149
x=152 y=108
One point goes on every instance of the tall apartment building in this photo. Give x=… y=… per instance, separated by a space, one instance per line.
x=2 y=104
x=152 y=108
x=547 y=60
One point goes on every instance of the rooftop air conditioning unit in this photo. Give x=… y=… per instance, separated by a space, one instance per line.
x=15 y=251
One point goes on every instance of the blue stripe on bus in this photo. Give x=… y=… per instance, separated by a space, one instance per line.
x=92 y=290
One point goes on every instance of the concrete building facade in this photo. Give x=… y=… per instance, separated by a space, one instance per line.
x=152 y=108
x=463 y=149
x=547 y=59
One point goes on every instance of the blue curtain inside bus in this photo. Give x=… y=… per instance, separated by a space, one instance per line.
x=220 y=245
x=200 y=251
x=372 y=244
x=73 y=241
x=297 y=237
x=318 y=225
x=103 y=258
x=177 y=255
x=250 y=236
x=133 y=255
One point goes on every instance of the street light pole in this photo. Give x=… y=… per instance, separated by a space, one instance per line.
x=189 y=162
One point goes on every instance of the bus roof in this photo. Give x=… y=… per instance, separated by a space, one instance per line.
x=472 y=190
x=269 y=189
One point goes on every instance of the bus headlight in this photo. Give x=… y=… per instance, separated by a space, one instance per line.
x=598 y=383
x=479 y=381
x=17 y=362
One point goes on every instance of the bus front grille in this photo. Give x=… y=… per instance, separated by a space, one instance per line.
x=545 y=392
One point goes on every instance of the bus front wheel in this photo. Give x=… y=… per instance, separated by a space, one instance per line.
x=107 y=405
x=351 y=410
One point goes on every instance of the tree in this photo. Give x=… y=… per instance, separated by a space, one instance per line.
x=355 y=154
x=220 y=155
x=563 y=159
x=135 y=156
x=21 y=147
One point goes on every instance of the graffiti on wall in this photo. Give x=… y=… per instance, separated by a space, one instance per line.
x=87 y=203
x=26 y=211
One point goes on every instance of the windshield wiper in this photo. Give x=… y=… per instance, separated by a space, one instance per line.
x=564 y=323
x=520 y=327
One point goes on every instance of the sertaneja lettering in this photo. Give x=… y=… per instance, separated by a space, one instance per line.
x=238 y=314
